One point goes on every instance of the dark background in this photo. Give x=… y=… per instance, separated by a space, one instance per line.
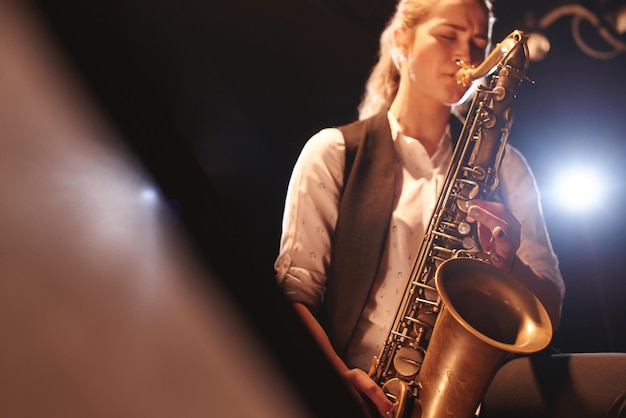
x=236 y=88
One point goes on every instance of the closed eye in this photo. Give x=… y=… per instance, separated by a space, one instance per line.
x=448 y=37
x=481 y=43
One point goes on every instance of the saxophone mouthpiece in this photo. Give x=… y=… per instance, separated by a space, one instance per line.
x=502 y=54
x=464 y=73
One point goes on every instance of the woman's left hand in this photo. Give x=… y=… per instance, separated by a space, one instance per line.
x=498 y=231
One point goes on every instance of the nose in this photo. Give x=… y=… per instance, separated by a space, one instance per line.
x=462 y=53
x=469 y=53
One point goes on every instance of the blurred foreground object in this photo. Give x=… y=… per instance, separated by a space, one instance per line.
x=105 y=308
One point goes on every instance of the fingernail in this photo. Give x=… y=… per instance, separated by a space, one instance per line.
x=474 y=211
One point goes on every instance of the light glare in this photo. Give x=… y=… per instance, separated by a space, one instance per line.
x=580 y=190
x=149 y=195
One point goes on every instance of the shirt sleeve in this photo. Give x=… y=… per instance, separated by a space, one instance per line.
x=520 y=194
x=310 y=217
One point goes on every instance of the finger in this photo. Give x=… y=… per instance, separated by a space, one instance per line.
x=496 y=208
x=485 y=217
x=503 y=252
x=485 y=237
x=500 y=217
x=498 y=261
x=502 y=243
x=370 y=390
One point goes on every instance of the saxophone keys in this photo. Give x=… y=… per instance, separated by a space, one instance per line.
x=464 y=228
x=408 y=361
x=399 y=392
x=468 y=243
x=424 y=324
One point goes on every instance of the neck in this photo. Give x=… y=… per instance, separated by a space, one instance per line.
x=425 y=122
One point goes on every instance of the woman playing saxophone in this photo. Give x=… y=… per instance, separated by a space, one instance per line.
x=357 y=208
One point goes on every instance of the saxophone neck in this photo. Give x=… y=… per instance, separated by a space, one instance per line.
x=512 y=51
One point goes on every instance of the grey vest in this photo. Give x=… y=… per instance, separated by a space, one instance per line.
x=361 y=231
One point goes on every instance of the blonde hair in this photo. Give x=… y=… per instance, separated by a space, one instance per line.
x=382 y=85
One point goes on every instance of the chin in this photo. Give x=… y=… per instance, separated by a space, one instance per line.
x=461 y=96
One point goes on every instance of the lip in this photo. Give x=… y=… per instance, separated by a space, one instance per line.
x=452 y=77
x=452 y=72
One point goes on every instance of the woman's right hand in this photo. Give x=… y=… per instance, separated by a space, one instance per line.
x=368 y=393
x=365 y=390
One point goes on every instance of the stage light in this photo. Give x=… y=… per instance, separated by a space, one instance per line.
x=579 y=190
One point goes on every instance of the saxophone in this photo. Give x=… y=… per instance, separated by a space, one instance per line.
x=460 y=316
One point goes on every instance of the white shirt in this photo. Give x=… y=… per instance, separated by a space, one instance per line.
x=311 y=211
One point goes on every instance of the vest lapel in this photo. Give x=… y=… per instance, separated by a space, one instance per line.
x=361 y=232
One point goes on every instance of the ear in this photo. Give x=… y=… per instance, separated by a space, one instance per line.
x=400 y=42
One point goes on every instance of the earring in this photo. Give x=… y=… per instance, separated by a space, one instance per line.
x=411 y=72
x=398 y=58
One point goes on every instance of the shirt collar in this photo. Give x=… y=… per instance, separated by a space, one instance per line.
x=445 y=142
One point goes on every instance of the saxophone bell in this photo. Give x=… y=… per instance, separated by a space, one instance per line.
x=487 y=313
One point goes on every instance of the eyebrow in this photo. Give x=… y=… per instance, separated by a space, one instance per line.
x=462 y=28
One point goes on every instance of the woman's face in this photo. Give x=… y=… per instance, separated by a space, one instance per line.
x=453 y=30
